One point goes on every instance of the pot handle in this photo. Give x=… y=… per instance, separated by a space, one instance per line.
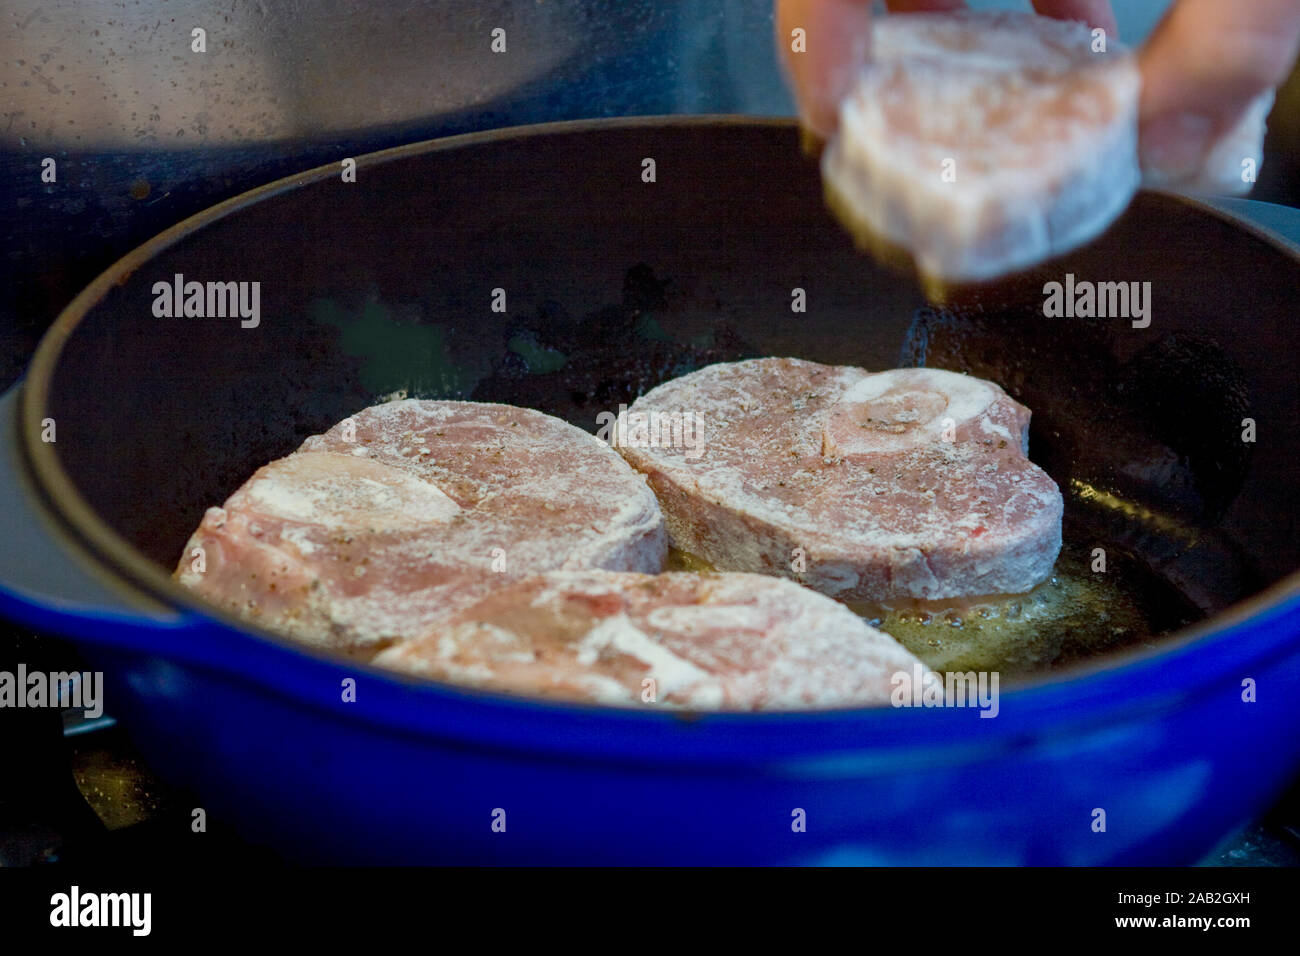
x=46 y=582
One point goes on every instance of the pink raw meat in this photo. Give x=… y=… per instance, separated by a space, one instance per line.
x=406 y=511
x=912 y=483
x=985 y=142
x=699 y=641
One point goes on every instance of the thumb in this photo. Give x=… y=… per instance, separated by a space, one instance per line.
x=821 y=64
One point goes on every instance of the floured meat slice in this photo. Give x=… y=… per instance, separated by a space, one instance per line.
x=406 y=511
x=912 y=483
x=985 y=142
x=699 y=641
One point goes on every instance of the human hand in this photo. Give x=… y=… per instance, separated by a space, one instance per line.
x=1202 y=68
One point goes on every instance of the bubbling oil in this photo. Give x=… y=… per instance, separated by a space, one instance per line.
x=1074 y=615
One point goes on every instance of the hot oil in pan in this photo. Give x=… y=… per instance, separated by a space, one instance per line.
x=1074 y=615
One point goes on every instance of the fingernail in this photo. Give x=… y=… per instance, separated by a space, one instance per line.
x=1174 y=145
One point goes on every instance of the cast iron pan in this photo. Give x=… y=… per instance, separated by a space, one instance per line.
x=613 y=284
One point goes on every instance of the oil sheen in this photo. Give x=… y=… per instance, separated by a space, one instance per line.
x=1075 y=615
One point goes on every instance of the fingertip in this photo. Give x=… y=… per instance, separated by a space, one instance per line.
x=823 y=44
x=1214 y=59
x=1095 y=13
